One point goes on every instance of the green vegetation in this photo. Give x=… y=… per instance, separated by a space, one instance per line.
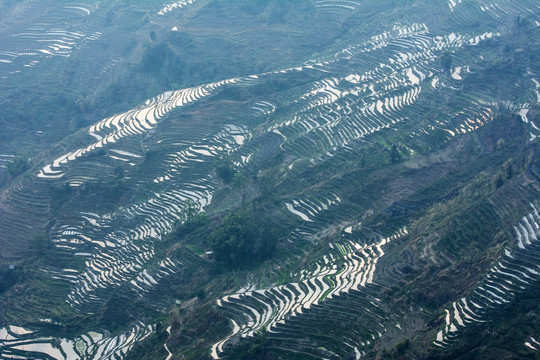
x=17 y=166
x=244 y=239
x=446 y=61
x=395 y=155
x=225 y=171
x=256 y=349
x=8 y=278
x=363 y=118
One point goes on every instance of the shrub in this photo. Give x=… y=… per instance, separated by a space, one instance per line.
x=18 y=166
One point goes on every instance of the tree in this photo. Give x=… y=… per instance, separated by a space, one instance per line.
x=190 y=209
x=243 y=239
x=225 y=172
x=119 y=172
x=446 y=61
x=18 y=166
x=508 y=168
x=498 y=180
x=8 y=278
x=395 y=155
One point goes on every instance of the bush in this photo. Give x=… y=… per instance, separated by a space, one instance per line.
x=446 y=61
x=8 y=278
x=18 y=166
x=402 y=346
x=395 y=155
x=226 y=173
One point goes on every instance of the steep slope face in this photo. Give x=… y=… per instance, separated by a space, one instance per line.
x=394 y=157
x=144 y=66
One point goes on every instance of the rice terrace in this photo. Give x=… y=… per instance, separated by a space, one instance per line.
x=270 y=179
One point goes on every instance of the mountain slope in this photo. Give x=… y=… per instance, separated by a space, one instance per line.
x=326 y=179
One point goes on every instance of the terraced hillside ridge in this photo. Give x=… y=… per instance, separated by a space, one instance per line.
x=136 y=122
x=514 y=273
x=120 y=254
x=348 y=268
x=6 y=162
x=38 y=30
x=19 y=342
x=351 y=157
x=34 y=34
x=174 y=5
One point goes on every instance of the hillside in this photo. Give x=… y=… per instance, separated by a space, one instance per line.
x=324 y=179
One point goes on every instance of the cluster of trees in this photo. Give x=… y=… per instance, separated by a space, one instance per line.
x=162 y=63
x=17 y=166
x=256 y=348
x=192 y=218
x=8 y=278
x=500 y=177
x=244 y=238
x=225 y=171
x=395 y=155
x=446 y=61
x=158 y=59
